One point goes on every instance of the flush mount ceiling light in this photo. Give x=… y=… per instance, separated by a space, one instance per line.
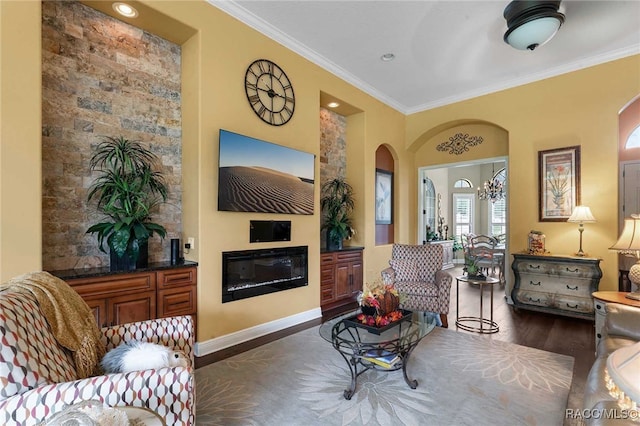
x=333 y=105
x=125 y=10
x=388 y=57
x=531 y=23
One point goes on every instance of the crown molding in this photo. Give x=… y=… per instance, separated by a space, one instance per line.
x=243 y=15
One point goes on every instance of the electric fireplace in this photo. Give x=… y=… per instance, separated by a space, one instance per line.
x=250 y=273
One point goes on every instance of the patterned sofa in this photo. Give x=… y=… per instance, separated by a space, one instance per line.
x=416 y=271
x=39 y=378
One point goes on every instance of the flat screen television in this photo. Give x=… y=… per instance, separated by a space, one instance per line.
x=260 y=176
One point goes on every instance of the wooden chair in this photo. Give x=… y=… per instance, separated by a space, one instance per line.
x=482 y=248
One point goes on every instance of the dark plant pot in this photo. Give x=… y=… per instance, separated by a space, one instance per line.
x=333 y=243
x=127 y=263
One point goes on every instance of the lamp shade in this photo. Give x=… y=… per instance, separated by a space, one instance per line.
x=581 y=214
x=623 y=367
x=629 y=240
x=531 y=23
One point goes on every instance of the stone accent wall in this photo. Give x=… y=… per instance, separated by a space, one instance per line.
x=102 y=77
x=333 y=145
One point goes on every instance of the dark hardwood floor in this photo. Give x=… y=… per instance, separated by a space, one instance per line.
x=553 y=333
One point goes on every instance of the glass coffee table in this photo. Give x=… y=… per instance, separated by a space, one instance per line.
x=364 y=347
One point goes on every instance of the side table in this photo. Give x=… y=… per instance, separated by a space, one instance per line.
x=600 y=299
x=484 y=325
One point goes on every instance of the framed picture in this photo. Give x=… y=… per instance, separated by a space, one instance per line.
x=559 y=183
x=384 y=197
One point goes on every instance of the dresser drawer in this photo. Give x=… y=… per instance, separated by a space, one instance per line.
x=575 y=270
x=570 y=286
x=574 y=304
x=535 y=298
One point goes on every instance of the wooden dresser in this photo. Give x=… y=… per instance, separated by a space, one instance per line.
x=119 y=297
x=341 y=277
x=556 y=284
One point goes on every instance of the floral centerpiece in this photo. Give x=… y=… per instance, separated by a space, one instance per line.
x=380 y=304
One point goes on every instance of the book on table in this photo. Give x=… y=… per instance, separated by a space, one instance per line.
x=381 y=357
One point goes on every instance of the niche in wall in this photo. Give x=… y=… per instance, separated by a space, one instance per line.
x=384 y=162
x=101 y=76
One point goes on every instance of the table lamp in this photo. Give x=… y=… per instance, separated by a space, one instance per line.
x=622 y=377
x=629 y=243
x=581 y=215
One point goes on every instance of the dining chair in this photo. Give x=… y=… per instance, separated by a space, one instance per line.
x=482 y=248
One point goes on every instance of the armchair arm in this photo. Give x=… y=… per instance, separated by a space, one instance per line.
x=443 y=279
x=388 y=275
x=173 y=332
x=167 y=391
x=622 y=320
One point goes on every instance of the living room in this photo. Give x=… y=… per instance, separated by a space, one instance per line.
x=580 y=108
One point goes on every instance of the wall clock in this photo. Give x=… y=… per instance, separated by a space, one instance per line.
x=269 y=92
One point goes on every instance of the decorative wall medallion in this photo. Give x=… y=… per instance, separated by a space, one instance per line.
x=459 y=143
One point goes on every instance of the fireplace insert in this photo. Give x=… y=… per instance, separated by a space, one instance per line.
x=250 y=273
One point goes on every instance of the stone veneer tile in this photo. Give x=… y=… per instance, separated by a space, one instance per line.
x=101 y=77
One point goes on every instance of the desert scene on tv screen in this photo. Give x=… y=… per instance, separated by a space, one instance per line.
x=258 y=176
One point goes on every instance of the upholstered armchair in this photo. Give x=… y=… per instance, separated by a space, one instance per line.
x=416 y=271
x=39 y=376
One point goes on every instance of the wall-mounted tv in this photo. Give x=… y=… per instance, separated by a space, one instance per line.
x=259 y=176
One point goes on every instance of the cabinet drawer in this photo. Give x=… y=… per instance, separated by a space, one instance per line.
x=535 y=298
x=114 y=285
x=574 y=304
x=177 y=301
x=348 y=256
x=575 y=270
x=177 y=277
x=575 y=287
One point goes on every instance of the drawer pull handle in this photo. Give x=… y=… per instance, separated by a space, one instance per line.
x=573 y=270
x=534 y=300
x=598 y=307
x=572 y=306
x=571 y=288
x=532 y=283
x=534 y=266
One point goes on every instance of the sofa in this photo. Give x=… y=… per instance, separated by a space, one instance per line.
x=39 y=377
x=621 y=328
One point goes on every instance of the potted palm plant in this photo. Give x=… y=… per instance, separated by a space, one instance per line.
x=337 y=203
x=126 y=191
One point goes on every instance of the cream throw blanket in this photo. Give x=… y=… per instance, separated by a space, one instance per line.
x=71 y=320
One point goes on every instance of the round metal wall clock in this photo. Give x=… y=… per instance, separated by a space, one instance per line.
x=269 y=92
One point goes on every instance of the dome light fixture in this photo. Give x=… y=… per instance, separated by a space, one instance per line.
x=125 y=10
x=531 y=23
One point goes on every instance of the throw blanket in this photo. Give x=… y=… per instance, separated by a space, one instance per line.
x=71 y=320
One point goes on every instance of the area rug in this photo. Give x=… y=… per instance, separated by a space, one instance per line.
x=463 y=379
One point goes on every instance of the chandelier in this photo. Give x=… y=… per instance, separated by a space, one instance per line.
x=492 y=189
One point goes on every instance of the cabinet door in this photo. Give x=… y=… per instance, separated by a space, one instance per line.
x=177 y=301
x=132 y=308
x=344 y=280
x=99 y=308
x=357 y=273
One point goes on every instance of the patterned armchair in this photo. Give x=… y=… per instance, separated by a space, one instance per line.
x=39 y=377
x=416 y=271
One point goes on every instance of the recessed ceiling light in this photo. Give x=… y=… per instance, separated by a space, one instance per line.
x=333 y=105
x=125 y=10
x=388 y=57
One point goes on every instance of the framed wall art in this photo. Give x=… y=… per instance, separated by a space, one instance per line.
x=384 y=197
x=559 y=183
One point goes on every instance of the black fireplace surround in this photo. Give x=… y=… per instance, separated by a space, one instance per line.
x=251 y=273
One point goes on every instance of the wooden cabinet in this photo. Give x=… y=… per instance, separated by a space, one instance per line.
x=556 y=284
x=123 y=297
x=341 y=276
x=447 y=253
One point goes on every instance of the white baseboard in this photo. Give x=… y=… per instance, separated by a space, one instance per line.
x=228 y=340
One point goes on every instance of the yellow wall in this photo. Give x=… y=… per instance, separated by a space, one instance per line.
x=575 y=109
x=580 y=108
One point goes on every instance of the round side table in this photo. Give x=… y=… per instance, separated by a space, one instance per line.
x=478 y=324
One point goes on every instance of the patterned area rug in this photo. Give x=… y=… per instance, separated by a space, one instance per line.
x=463 y=380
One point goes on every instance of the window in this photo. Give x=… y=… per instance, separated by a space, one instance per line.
x=633 y=141
x=463 y=214
x=429 y=209
x=463 y=183
x=497 y=210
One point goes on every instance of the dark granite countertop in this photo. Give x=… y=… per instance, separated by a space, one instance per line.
x=67 y=274
x=344 y=248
